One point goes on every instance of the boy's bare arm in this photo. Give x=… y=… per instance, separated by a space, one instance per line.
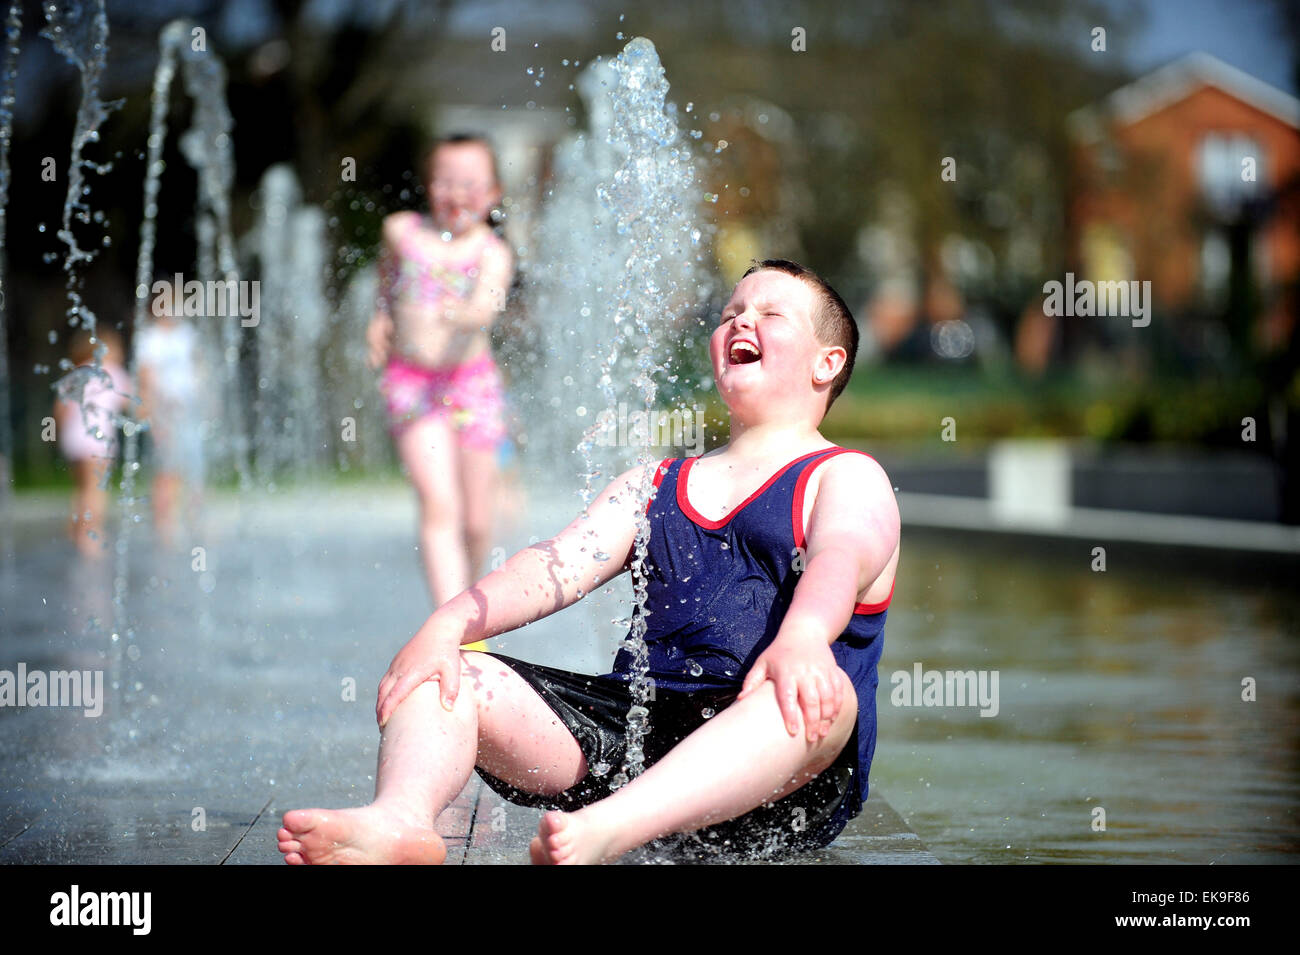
x=851 y=535
x=534 y=583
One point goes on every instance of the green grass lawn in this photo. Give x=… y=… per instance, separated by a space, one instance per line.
x=908 y=403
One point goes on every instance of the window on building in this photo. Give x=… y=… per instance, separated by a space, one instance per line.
x=1231 y=169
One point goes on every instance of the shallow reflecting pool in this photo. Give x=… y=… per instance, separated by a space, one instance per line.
x=1120 y=690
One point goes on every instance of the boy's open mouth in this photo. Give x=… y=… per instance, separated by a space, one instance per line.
x=743 y=353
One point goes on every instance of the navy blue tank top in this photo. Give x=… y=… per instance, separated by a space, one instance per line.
x=718 y=591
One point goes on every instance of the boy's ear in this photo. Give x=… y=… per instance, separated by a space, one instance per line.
x=830 y=364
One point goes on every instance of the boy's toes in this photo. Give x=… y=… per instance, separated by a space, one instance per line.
x=298 y=821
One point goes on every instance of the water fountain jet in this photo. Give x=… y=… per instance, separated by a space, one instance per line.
x=620 y=281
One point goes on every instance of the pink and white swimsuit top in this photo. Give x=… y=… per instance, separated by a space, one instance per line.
x=410 y=275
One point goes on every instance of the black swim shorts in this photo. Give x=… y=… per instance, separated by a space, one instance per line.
x=594 y=709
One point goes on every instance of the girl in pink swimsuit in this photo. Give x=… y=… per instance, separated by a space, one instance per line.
x=443 y=281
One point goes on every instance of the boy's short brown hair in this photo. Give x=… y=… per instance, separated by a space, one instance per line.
x=832 y=321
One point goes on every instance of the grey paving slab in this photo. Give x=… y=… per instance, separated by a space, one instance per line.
x=501 y=831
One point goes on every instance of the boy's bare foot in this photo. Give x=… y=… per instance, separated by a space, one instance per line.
x=364 y=836
x=572 y=839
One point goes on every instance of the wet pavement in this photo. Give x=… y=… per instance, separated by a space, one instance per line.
x=245 y=684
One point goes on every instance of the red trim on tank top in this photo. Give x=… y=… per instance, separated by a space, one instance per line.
x=876 y=608
x=696 y=517
x=796 y=520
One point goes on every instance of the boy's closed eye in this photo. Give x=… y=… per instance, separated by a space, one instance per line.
x=764 y=313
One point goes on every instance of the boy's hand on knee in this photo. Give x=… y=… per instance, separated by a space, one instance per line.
x=424 y=658
x=803 y=672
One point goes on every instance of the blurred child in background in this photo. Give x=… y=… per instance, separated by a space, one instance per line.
x=90 y=399
x=444 y=278
x=166 y=356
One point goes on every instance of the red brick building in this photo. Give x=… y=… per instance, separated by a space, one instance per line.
x=1167 y=167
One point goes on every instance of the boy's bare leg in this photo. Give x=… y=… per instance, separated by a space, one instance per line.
x=426 y=755
x=422 y=755
x=739 y=759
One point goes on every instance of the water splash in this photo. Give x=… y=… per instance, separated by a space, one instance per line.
x=289 y=432
x=615 y=276
x=208 y=147
x=615 y=288
x=144 y=279
x=618 y=287
x=645 y=196
x=352 y=380
x=79 y=31
x=13 y=32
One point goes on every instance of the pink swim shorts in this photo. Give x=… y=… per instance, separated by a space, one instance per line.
x=469 y=395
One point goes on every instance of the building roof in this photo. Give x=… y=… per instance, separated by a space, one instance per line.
x=1176 y=81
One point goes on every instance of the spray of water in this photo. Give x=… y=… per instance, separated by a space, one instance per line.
x=615 y=286
x=644 y=195
x=208 y=147
x=13 y=31
x=289 y=430
x=79 y=31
